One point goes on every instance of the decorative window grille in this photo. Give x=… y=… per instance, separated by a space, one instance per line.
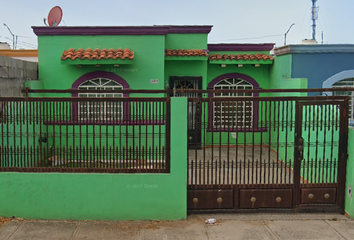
x=100 y=110
x=233 y=114
x=187 y=84
x=349 y=82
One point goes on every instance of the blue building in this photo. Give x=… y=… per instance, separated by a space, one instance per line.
x=324 y=66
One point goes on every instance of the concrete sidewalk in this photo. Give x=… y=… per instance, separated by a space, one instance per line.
x=228 y=226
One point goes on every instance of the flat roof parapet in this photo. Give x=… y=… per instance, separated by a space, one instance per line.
x=314 y=48
x=120 y=30
x=241 y=47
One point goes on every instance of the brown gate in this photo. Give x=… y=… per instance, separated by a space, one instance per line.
x=269 y=152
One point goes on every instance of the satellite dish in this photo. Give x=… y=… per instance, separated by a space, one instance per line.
x=54 y=16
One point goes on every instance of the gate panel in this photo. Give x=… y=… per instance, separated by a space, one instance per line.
x=319 y=151
x=318 y=195
x=261 y=198
x=270 y=148
x=211 y=199
x=237 y=151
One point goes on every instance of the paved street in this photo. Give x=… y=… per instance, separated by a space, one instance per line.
x=228 y=226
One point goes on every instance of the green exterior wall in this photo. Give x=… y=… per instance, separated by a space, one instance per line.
x=349 y=200
x=185 y=68
x=186 y=41
x=280 y=76
x=281 y=70
x=260 y=74
x=148 y=61
x=104 y=196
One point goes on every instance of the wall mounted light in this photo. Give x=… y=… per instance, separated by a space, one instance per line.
x=223 y=65
x=116 y=65
x=78 y=65
x=97 y=65
x=239 y=65
x=257 y=65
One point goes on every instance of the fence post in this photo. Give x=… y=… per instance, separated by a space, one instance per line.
x=179 y=149
x=178 y=131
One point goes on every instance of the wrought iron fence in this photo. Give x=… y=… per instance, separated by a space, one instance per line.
x=227 y=150
x=52 y=134
x=83 y=134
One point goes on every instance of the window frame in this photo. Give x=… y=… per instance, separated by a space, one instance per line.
x=103 y=75
x=255 y=114
x=99 y=84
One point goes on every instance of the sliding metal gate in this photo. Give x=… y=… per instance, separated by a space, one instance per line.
x=269 y=152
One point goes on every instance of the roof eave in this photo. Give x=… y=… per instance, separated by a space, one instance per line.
x=241 y=47
x=119 y=30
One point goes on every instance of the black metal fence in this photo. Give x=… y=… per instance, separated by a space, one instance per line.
x=52 y=134
x=253 y=140
x=132 y=134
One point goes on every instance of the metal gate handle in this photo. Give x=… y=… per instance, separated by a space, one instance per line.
x=300 y=148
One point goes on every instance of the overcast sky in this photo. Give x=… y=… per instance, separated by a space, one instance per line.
x=234 y=21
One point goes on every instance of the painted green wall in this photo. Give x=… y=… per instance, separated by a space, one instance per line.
x=182 y=66
x=280 y=76
x=280 y=70
x=260 y=74
x=349 y=200
x=148 y=59
x=187 y=41
x=104 y=196
x=185 y=68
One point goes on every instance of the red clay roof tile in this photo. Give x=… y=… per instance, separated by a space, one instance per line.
x=258 y=56
x=97 y=54
x=186 y=52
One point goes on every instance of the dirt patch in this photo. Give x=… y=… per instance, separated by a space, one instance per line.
x=4 y=220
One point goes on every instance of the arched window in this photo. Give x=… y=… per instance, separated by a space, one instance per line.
x=349 y=82
x=230 y=113
x=234 y=114
x=99 y=110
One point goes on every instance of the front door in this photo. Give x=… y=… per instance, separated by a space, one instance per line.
x=194 y=110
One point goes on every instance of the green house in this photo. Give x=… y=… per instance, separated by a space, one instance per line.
x=187 y=125
x=151 y=58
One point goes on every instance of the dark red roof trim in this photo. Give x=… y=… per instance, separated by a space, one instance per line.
x=119 y=30
x=241 y=47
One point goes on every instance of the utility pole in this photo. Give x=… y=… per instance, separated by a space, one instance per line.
x=13 y=37
x=287 y=33
x=314 y=18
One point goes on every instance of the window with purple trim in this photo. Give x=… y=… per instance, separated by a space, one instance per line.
x=100 y=110
x=233 y=114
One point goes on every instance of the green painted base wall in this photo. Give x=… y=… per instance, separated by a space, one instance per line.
x=104 y=196
x=349 y=200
